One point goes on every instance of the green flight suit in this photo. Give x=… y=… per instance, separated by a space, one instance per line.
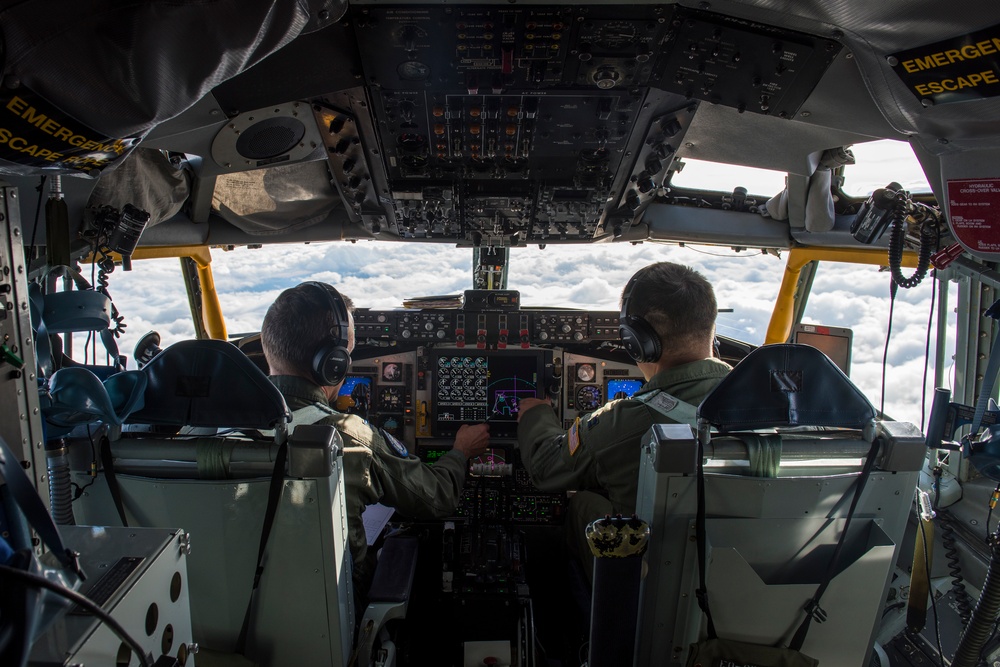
x=375 y=472
x=602 y=453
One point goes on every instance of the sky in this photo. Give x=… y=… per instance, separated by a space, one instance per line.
x=381 y=275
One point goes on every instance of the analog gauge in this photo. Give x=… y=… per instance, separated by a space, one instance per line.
x=413 y=70
x=588 y=397
x=616 y=35
x=391 y=398
x=392 y=372
x=586 y=372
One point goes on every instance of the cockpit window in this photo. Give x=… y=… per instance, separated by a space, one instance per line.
x=879 y=162
x=720 y=177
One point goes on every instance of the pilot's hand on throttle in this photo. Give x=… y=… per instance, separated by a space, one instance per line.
x=526 y=404
x=472 y=440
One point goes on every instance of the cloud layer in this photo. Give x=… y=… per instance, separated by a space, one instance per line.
x=381 y=275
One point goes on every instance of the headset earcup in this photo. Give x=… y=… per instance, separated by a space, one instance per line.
x=330 y=364
x=639 y=339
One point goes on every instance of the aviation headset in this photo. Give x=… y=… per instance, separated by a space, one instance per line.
x=331 y=359
x=638 y=336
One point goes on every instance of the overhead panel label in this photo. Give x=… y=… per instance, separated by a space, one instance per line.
x=35 y=133
x=954 y=70
x=974 y=213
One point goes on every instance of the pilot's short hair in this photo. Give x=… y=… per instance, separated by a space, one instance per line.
x=295 y=324
x=677 y=301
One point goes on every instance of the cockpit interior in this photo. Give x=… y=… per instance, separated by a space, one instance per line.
x=210 y=523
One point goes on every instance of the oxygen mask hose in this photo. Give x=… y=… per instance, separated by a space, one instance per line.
x=980 y=627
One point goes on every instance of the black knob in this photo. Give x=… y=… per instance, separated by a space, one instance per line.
x=632 y=200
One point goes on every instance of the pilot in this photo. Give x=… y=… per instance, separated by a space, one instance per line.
x=668 y=327
x=307 y=336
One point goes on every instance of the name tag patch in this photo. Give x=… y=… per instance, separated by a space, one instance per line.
x=664 y=402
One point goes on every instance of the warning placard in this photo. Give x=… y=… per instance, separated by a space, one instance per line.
x=35 y=133
x=974 y=214
x=954 y=70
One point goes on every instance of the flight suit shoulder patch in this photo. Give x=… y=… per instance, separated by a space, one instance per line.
x=397 y=447
x=573 y=437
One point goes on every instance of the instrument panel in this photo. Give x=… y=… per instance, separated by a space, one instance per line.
x=421 y=374
x=507 y=124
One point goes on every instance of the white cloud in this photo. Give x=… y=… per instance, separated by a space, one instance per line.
x=381 y=275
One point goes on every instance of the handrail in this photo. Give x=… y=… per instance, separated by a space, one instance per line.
x=780 y=326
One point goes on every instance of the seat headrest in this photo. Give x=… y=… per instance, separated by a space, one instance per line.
x=786 y=385
x=77 y=396
x=209 y=383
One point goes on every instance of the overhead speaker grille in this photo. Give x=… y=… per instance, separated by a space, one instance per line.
x=270 y=138
x=284 y=133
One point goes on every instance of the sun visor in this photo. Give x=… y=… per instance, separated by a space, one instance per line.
x=80 y=94
x=80 y=310
x=276 y=200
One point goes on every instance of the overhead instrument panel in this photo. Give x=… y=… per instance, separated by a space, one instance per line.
x=741 y=64
x=506 y=124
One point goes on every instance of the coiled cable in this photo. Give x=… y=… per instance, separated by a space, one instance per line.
x=980 y=626
x=951 y=555
x=928 y=236
x=107 y=265
x=962 y=601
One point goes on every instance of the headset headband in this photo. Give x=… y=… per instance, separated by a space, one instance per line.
x=340 y=330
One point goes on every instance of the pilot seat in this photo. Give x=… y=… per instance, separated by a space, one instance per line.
x=199 y=455
x=772 y=533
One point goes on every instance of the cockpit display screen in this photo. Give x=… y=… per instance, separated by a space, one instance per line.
x=471 y=387
x=355 y=395
x=622 y=388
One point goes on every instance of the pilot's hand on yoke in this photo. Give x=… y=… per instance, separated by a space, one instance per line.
x=526 y=404
x=472 y=440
